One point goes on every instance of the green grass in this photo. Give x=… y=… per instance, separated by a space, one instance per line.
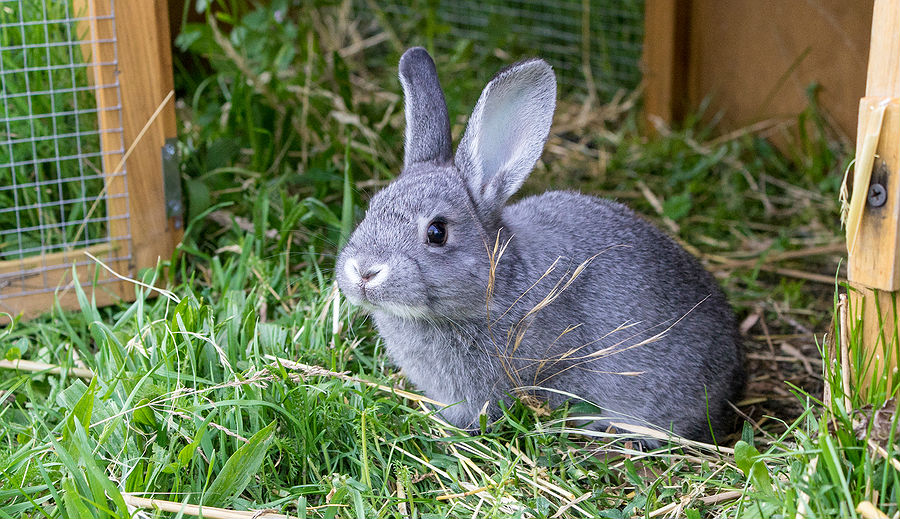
x=283 y=142
x=57 y=125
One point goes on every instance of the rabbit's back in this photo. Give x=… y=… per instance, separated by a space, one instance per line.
x=644 y=303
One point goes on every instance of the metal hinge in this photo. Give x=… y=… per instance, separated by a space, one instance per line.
x=172 y=181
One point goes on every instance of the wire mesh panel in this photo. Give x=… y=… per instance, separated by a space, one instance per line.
x=62 y=187
x=592 y=44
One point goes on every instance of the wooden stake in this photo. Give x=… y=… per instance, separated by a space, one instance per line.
x=873 y=226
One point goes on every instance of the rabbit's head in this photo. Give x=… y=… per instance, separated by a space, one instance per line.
x=422 y=250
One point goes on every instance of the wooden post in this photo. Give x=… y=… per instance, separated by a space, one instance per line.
x=145 y=74
x=135 y=37
x=873 y=225
x=665 y=59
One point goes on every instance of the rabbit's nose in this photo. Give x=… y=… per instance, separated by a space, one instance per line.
x=367 y=275
x=372 y=272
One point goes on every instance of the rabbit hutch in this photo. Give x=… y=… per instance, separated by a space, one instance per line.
x=88 y=178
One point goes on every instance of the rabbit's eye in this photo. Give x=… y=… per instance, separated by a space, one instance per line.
x=437 y=233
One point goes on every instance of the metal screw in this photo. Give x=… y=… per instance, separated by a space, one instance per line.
x=174 y=206
x=877 y=195
x=170 y=150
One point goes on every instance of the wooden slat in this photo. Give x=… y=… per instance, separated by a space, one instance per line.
x=100 y=30
x=874 y=263
x=54 y=271
x=883 y=78
x=875 y=259
x=33 y=305
x=10 y=267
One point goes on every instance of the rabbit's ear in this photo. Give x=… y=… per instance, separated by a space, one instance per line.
x=427 y=124
x=507 y=131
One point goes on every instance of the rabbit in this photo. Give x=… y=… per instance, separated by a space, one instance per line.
x=556 y=296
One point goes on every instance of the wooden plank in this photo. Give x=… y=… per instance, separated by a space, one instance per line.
x=10 y=267
x=883 y=78
x=665 y=55
x=35 y=304
x=34 y=275
x=875 y=259
x=874 y=266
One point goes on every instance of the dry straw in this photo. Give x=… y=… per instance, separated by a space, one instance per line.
x=43 y=367
x=134 y=502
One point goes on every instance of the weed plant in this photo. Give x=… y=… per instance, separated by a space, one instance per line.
x=248 y=384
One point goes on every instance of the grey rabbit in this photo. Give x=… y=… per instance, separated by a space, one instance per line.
x=560 y=293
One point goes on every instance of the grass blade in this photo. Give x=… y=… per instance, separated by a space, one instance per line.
x=240 y=468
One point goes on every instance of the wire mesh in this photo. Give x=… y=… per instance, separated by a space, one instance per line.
x=592 y=44
x=56 y=143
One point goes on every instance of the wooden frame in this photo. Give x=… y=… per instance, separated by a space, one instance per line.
x=130 y=48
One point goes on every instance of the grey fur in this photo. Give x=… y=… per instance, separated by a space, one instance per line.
x=625 y=298
x=427 y=123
